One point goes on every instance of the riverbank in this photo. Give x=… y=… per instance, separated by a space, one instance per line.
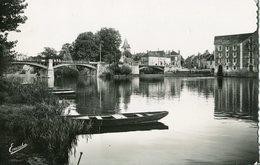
x=164 y=75
x=30 y=115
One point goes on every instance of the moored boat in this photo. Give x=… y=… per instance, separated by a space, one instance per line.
x=63 y=93
x=126 y=128
x=121 y=119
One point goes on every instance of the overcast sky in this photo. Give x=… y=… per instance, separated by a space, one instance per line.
x=185 y=25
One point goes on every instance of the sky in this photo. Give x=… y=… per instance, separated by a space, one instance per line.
x=185 y=25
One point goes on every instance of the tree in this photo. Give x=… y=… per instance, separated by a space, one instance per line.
x=110 y=41
x=85 y=47
x=49 y=53
x=65 y=54
x=66 y=51
x=11 y=16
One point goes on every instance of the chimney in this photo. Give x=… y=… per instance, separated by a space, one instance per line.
x=179 y=52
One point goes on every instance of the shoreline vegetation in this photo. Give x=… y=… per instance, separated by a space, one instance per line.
x=27 y=115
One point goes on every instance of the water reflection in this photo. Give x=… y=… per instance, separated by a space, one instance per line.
x=201 y=86
x=236 y=98
x=233 y=97
x=195 y=135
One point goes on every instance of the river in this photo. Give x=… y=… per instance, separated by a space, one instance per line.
x=210 y=121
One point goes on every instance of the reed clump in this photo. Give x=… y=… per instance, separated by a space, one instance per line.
x=31 y=114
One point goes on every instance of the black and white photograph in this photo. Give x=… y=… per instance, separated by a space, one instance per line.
x=129 y=82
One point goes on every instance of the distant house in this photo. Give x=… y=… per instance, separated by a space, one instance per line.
x=188 y=62
x=176 y=59
x=210 y=61
x=153 y=58
x=236 y=54
x=207 y=60
x=200 y=61
x=20 y=57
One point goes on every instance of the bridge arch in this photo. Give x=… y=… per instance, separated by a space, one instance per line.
x=29 y=63
x=84 y=65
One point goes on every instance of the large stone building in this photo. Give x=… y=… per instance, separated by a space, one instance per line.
x=236 y=55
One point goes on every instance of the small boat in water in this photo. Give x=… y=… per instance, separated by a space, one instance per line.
x=126 y=128
x=67 y=93
x=62 y=91
x=121 y=119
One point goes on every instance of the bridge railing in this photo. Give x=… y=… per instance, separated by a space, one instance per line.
x=55 y=61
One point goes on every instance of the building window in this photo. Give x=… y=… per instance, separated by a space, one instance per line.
x=219 y=55
x=227 y=54
x=234 y=60
x=219 y=48
x=250 y=60
x=227 y=48
x=251 y=68
x=235 y=67
x=227 y=67
x=227 y=60
x=234 y=47
x=250 y=54
x=234 y=54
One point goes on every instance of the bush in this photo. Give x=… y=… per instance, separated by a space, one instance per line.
x=107 y=75
x=33 y=117
x=125 y=70
x=42 y=124
x=3 y=90
x=30 y=94
x=114 y=68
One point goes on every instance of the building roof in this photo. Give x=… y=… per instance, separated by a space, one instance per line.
x=231 y=39
x=174 y=53
x=126 y=45
x=159 y=53
x=210 y=57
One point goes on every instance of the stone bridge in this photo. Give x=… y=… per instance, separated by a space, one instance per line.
x=100 y=67
x=51 y=64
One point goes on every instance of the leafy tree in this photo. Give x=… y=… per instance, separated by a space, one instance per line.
x=11 y=16
x=85 y=47
x=110 y=41
x=49 y=53
x=66 y=52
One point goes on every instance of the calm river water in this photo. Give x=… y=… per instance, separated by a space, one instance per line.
x=210 y=121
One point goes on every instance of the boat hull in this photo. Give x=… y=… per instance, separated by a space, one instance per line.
x=126 y=128
x=127 y=118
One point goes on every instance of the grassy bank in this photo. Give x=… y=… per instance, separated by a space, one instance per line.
x=30 y=114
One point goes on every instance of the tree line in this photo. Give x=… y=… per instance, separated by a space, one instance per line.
x=89 y=46
x=104 y=45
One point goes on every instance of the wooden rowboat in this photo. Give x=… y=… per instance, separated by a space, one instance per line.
x=63 y=93
x=121 y=119
x=126 y=128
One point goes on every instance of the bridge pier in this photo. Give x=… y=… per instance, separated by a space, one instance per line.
x=135 y=69
x=50 y=73
x=101 y=68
